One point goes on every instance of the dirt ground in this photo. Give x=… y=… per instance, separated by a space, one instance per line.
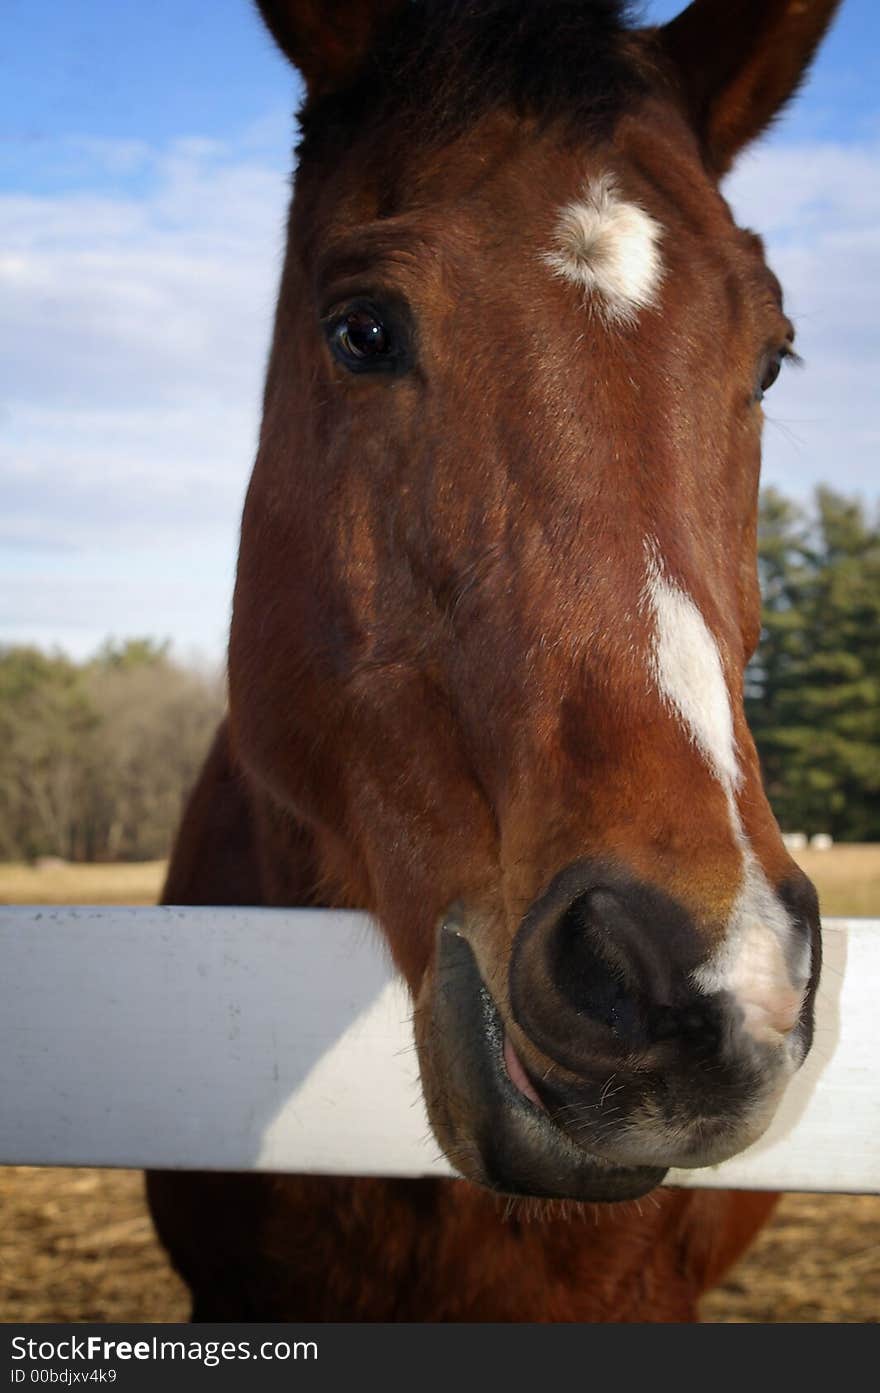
x=77 y=1245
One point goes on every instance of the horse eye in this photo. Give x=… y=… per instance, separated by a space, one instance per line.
x=770 y=370
x=362 y=341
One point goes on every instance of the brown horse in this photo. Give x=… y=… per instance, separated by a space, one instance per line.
x=496 y=594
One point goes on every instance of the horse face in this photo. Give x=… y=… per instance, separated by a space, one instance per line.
x=496 y=594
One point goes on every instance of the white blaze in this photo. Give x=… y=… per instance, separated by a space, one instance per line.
x=752 y=962
x=608 y=246
x=687 y=669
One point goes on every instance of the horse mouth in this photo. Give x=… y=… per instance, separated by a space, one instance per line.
x=483 y=1107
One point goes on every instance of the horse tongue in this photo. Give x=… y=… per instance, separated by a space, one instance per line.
x=518 y=1076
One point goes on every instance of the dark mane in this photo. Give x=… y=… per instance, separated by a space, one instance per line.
x=440 y=64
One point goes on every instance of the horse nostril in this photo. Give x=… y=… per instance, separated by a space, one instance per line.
x=600 y=970
x=594 y=966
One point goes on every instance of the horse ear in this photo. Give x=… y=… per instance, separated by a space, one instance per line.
x=326 y=39
x=738 y=62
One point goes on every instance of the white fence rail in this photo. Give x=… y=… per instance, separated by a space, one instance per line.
x=280 y=1040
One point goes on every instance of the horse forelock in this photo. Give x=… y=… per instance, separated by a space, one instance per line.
x=438 y=65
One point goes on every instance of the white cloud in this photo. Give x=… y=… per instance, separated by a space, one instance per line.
x=149 y=300
x=137 y=323
x=130 y=382
x=818 y=208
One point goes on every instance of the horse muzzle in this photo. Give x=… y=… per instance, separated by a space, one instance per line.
x=605 y=1064
x=490 y=1129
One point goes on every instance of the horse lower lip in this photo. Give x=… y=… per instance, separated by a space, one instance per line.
x=518 y=1076
x=521 y=1150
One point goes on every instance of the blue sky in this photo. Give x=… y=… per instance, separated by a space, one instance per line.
x=144 y=152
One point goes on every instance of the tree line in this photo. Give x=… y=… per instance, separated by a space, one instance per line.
x=813 y=689
x=96 y=757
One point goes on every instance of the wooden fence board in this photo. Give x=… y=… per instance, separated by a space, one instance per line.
x=255 y=1039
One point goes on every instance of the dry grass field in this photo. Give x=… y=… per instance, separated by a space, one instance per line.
x=847 y=878
x=76 y=1245
x=139 y=883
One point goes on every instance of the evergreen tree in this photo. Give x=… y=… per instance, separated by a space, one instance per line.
x=813 y=695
